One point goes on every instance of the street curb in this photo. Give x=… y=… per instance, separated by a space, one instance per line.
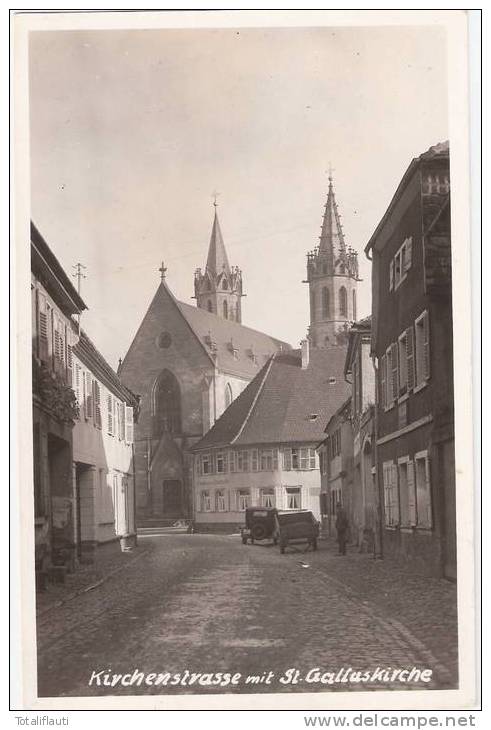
x=91 y=587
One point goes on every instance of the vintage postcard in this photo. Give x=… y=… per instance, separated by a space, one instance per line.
x=243 y=307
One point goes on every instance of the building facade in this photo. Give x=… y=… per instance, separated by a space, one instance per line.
x=360 y=370
x=188 y=364
x=336 y=468
x=55 y=305
x=103 y=465
x=411 y=280
x=82 y=427
x=262 y=451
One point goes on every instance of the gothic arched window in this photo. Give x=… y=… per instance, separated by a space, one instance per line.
x=228 y=395
x=343 y=302
x=312 y=305
x=210 y=306
x=325 y=303
x=354 y=304
x=166 y=404
x=224 y=283
x=225 y=309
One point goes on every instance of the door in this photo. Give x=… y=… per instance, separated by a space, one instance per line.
x=172 y=497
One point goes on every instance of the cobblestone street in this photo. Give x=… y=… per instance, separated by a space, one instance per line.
x=208 y=604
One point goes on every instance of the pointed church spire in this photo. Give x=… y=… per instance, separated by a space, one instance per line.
x=219 y=288
x=332 y=236
x=217 y=260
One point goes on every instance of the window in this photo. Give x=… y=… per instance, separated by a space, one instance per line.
x=221 y=462
x=225 y=309
x=400 y=264
x=325 y=303
x=243 y=497
x=166 y=404
x=267 y=497
x=303 y=459
x=269 y=459
x=402 y=345
x=206 y=466
x=242 y=461
x=220 y=501
x=390 y=375
x=335 y=443
x=423 y=490
x=205 y=502
x=354 y=304
x=121 y=421
x=343 y=302
x=287 y=460
x=394 y=359
x=293 y=500
x=391 y=496
x=312 y=306
x=407 y=495
x=422 y=345
x=210 y=306
x=254 y=460
x=128 y=424
x=232 y=461
x=228 y=395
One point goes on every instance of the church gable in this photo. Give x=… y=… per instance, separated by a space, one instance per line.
x=165 y=342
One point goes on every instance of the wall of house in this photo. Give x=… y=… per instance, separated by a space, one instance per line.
x=107 y=495
x=415 y=423
x=254 y=481
x=222 y=380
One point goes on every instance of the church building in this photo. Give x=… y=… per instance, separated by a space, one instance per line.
x=188 y=363
x=262 y=450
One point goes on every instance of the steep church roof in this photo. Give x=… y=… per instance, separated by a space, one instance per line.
x=239 y=350
x=285 y=403
x=217 y=260
x=332 y=236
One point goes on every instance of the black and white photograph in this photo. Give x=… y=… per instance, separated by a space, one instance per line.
x=246 y=469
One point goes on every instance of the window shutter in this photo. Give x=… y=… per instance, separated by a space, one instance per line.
x=97 y=404
x=43 y=348
x=395 y=495
x=383 y=380
x=411 y=494
x=69 y=358
x=110 y=419
x=387 y=486
x=89 y=395
x=129 y=424
x=409 y=254
x=426 y=345
x=78 y=374
x=395 y=371
x=410 y=357
x=391 y=275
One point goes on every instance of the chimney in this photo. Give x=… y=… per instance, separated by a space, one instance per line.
x=305 y=353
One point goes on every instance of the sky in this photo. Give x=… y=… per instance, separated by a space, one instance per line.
x=133 y=131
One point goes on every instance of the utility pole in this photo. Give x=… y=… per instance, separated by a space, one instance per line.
x=79 y=275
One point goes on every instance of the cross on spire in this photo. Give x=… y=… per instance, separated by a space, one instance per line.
x=330 y=171
x=162 y=270
x=215 y=195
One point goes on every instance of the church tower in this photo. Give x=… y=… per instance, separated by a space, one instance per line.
x=219 y=288
x=332 y=274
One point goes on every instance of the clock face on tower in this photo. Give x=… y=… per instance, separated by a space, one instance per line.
x=164 y=340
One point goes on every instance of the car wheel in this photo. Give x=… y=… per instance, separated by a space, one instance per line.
x=244 y=541
x=258 y=532
x=314 y=544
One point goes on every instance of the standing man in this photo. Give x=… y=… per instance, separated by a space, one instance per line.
x=342 y=525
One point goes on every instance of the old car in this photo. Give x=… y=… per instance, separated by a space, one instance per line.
x=296 y=526
x=259 y=525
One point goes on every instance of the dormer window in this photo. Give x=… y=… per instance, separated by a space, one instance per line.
x=313 y=417
x=252 y=355
x=332 y=381
x=233 y=349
